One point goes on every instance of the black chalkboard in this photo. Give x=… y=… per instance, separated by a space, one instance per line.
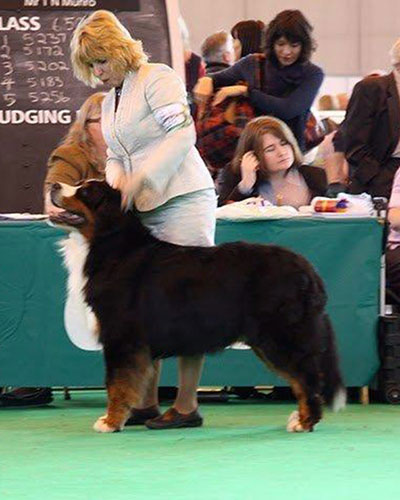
x=39 y=95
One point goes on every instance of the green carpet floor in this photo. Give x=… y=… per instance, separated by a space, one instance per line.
x=242 y=452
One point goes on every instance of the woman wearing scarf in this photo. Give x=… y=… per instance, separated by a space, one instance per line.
x=289 y=81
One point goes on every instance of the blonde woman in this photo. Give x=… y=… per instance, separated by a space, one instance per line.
x=268 y=163
x=81 y=154
x=152 y=159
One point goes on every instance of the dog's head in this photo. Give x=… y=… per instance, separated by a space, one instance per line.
x=84 y=205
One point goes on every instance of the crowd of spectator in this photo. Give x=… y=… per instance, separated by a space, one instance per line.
x=269 y=66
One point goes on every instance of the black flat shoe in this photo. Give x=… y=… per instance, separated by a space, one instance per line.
x=139 y=416
x=26 y=396
x=172 y=419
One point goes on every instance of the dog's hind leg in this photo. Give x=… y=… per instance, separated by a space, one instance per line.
x=306 y=390
x=126 y=385
x=304 y=379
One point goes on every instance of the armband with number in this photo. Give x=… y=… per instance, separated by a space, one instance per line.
x=173 y=116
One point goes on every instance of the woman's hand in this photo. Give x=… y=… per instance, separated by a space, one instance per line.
x=203 y=89
x=115 y=176
x=394 y=218
x=127 y=194
x=248 y=168
x=118 y=179
x=130 y=190
x=231 y=91
x=201 y=93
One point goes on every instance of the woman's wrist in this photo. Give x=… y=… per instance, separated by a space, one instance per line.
x=245 y=186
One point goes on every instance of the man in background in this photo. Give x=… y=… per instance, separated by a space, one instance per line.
x=371 y=131
x=218 y=52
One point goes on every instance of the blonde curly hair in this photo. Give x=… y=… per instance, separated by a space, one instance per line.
x=101 y=36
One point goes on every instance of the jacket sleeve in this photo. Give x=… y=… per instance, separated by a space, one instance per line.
x=357 y=129
x=166 y=97
x=114 y=168
x=240 y=71
x=296 y=103
x=227 y=187
x=315 y=178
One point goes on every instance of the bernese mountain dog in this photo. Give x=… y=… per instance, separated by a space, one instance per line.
x=154 y=299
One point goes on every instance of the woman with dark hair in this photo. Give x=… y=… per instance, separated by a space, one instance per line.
x=250 y=34
x=289 y=81
x=268 y=163
x=289 y=26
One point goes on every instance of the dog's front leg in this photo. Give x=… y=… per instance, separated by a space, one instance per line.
x=126 y=382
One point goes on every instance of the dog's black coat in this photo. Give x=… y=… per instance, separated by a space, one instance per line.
x=181 y=300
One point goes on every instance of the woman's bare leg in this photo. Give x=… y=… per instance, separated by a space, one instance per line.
x=189 y=377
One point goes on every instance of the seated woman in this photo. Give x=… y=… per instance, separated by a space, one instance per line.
x=82 y=152
x=80 y=155
x=268 y=163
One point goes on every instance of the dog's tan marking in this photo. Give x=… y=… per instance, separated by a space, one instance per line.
x=101 y=426
x=294 y=424
x=67 y=190
x=299 y=421
x=304 y=417
x=125 y=390
x=70 y=203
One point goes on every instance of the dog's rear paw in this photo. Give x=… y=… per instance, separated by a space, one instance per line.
x=293 y=424
x=101 y=425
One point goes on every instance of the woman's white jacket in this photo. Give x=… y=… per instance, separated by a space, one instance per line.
x=152 y=137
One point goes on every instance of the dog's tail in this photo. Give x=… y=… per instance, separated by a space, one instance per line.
x=333 y=389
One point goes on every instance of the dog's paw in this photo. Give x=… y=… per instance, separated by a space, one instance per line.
x=101 y=426
x=293 y=424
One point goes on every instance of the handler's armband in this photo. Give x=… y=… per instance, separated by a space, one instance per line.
x=173 y=116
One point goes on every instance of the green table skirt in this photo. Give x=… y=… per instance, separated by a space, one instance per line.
x=35 y=349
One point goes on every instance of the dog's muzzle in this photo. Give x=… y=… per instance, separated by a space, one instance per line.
x=58 y=191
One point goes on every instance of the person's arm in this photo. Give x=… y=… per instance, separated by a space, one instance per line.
x=356 y=131
x=296 y=103
x=236 y=73
x=236 y=187
x=394 y=203
x=242 y=71
x=114 y=171
x=394 y=218
x=227 y=187
x=338 y=140
x=166 y=97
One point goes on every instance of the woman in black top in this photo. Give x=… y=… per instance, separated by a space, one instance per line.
x=289 y=83
x=267 y=163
